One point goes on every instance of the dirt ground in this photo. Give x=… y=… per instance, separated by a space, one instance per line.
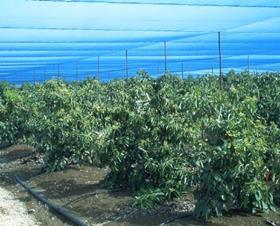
x=13 y=212
x=80 y=190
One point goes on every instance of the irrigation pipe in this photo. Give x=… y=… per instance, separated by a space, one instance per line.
x=89 y=194
x=60 y=210
x=176 y=218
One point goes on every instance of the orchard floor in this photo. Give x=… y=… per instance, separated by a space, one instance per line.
x=13 y=212
x=80 y=190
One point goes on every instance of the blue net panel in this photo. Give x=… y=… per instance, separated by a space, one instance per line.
x=43 y=39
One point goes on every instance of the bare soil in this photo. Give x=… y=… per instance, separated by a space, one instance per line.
x=80 y=189
x=13 y=212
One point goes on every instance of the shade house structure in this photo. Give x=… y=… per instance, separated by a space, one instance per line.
x=111 y=39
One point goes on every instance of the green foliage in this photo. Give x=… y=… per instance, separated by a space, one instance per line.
x=145 y=150
x=159 y=137
x=65 y=123
x=269 y=100
x=233 y=174
x=147 y=198
x=11 y=118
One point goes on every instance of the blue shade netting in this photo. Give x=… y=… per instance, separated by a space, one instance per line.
x=40 y=40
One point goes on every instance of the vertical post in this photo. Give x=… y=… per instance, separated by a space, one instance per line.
x=33 y=77
x=126 y=63
x=248 y=64
x=45 y=74
x=165 y=57
x=182 y=69
x=58 y=70
x=77 y=71
x=98 y=67
x=220 y=61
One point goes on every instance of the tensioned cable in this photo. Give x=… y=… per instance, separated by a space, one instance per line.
x=140 y=30
x=129 y=41
x=149 y=68
x=85 y=45
x=163 y=3
x=261 y=67
x=169 y=39
x=184 y=47
x=96 y=29
x=107 y=64
x=203 y=33
x=74 y=59
x=170 y=62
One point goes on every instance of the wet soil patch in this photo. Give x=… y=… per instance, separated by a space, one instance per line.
x=80 y=189
x=16 y=152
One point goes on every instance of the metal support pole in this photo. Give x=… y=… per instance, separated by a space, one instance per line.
x=34 y=77
x=182 y=69
x=126 y=63
x=165 y=57
x=77 y=71
x=248 y=64
x=98 y=72
x=45 y=74
x=58 y=70
x=220 y=61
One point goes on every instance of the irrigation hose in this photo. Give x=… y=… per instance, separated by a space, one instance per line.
x=65 y=213
x=176 y=218
x=89 y=194
x=60 y=210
